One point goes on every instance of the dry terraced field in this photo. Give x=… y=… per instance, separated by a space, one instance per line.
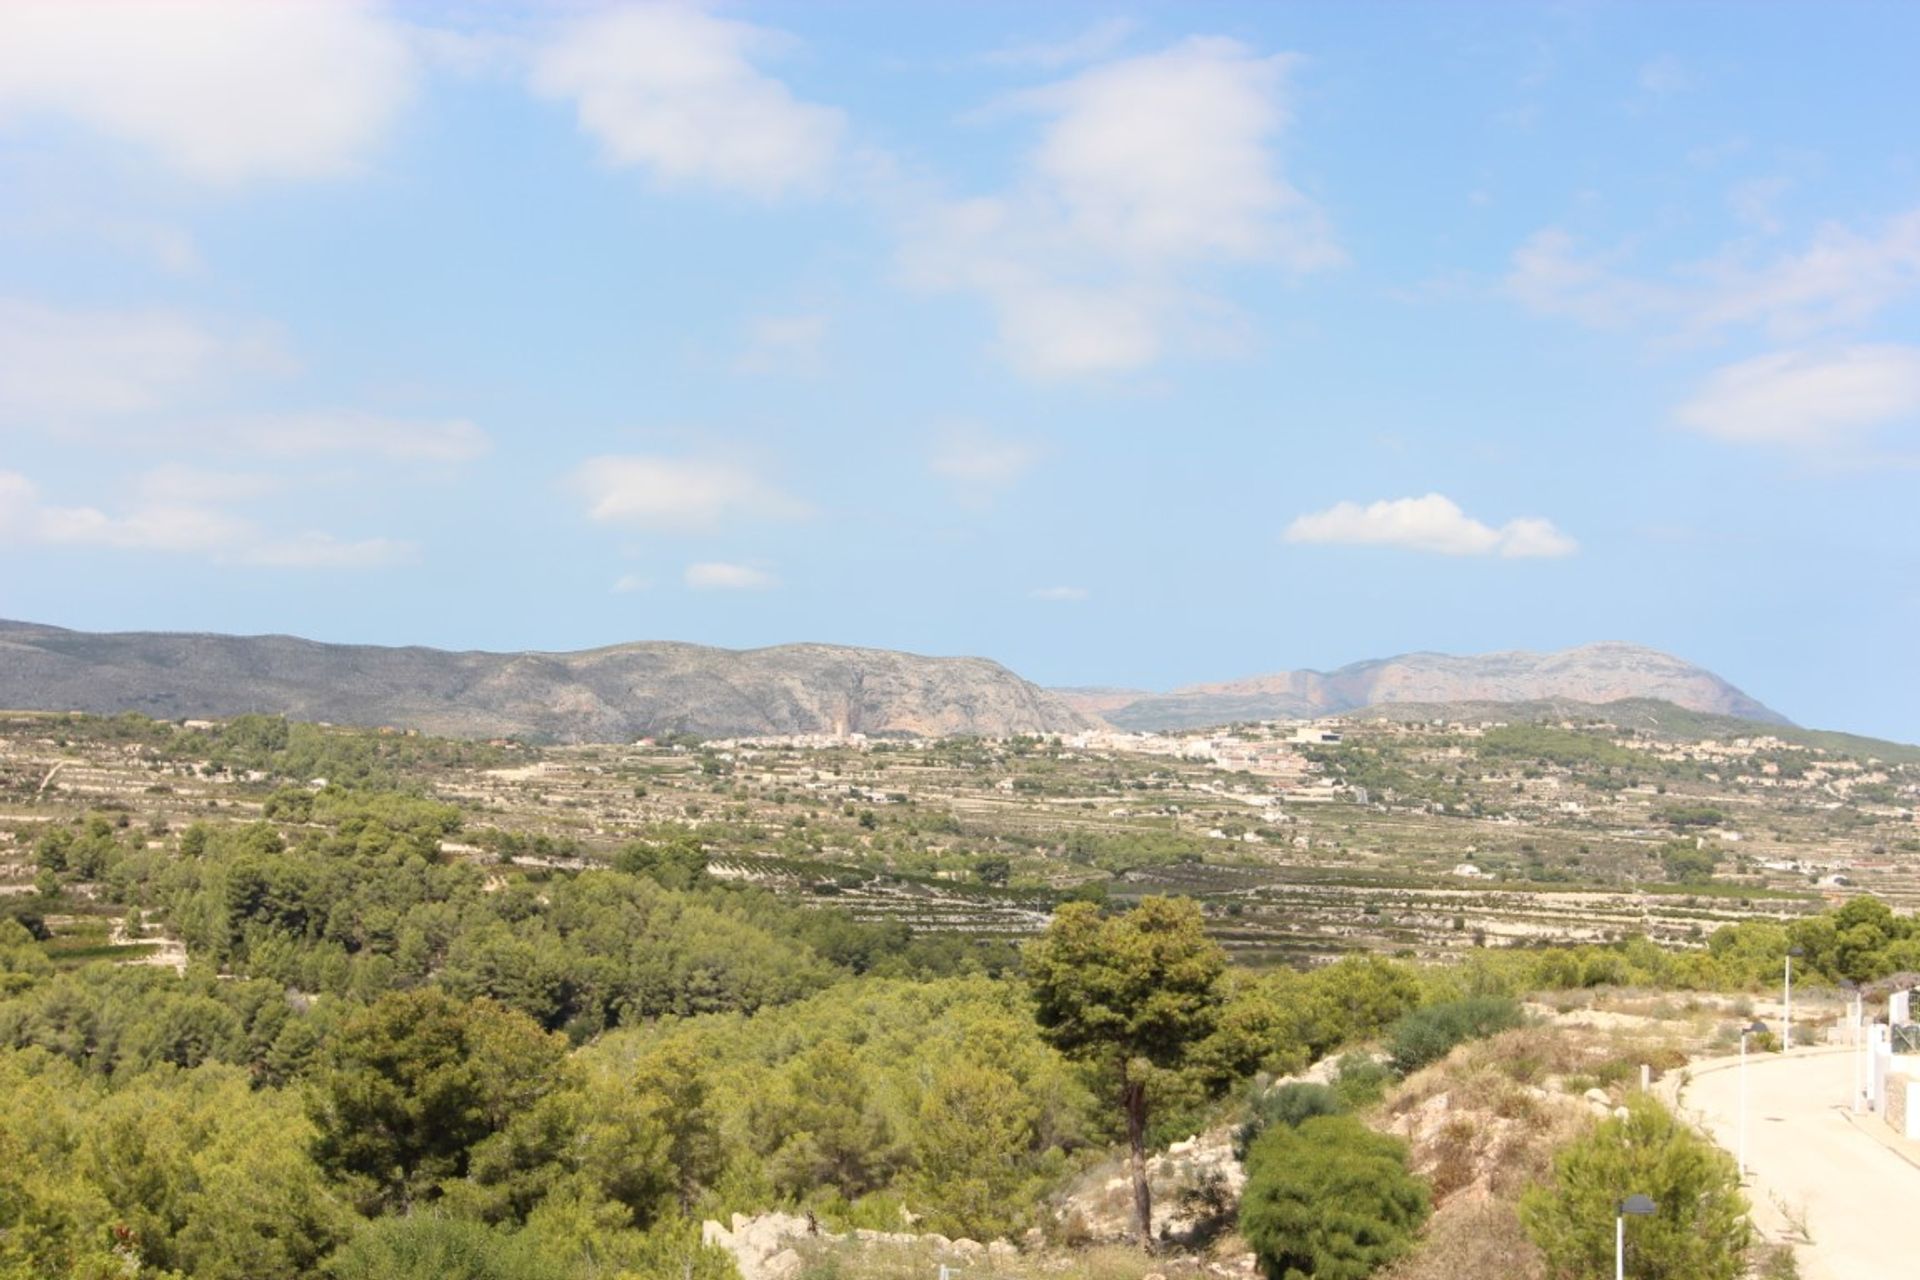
x=1359 y=845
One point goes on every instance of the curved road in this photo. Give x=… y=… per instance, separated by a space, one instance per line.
x=1847 y=1179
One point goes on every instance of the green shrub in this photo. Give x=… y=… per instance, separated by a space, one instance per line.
x=425 y=1246
x=1429 y=1034
x=1290 y=1105
x=1329 y=1199
x=1360 y=1081
x=1698 y=1231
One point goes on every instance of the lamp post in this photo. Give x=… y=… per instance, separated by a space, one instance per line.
x=1855 y=1005
x=1786 y=1040
x=1757 y=1028
x=1636 y=1206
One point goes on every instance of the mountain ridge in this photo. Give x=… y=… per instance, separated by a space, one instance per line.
x=610 y=693
x=637 y=689
x=1598 y=673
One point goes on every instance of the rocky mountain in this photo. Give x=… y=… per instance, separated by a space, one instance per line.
x=1595 y=673
x=598 y=695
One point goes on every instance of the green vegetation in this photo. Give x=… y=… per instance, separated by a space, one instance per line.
x=494 y=1012
x=1687 y=863
x=1691 y=815
x=303 y=752
x=1570 y=748
x=1427 y=1035
x=1329 y=1199
x=1698 y=1231
x=1289 y=1105
x=1132 y=996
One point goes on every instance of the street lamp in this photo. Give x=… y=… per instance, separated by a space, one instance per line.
x=1637 y=1206
x=1856 y=1007
x=1786 y=1041
x=1758 y=1028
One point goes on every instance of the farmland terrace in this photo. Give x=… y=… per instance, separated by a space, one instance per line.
x=1410 y=838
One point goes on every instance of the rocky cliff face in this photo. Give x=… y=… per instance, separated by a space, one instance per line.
x=600 y=695
x=1592 y=673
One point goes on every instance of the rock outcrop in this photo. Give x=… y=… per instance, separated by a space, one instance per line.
x=768 y=1246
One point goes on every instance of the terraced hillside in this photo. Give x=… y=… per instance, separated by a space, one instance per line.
x=1401 y=837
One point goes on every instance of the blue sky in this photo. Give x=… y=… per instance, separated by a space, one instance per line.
x=1132 y=345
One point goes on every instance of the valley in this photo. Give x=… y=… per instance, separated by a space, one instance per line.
x=1412 y=839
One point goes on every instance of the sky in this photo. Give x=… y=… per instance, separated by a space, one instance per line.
x=1130 y=345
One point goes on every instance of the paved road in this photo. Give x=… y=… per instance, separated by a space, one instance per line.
x=1809 y=1162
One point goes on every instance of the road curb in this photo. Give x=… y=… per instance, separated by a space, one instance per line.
x=1713 y=1065
x=1882 y=1140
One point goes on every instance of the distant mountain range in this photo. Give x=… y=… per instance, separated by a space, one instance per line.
x=1594 y=673
x=648 y=689
x=600 y=695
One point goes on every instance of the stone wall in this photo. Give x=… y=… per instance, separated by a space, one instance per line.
x=1903 y=1104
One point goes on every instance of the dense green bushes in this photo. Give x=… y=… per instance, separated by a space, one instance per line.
x=1288 y=1104
x=1699 y=1229
x=1568 y=748
x=389 y=1062
x=1329 y=1199
x=361 y=901
x=303 y=752
x=1279 y=1022
x=194 y=1172
x=517 y=1158
x=1429 y=1034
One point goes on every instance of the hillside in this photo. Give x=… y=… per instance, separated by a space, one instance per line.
x=1657 y=719
x=1596 y=673
x=599 y=695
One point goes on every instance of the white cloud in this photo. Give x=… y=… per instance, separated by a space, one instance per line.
x=1149 y=171
x=1434 y=523
x=57 y=364
x=312 y=434
x=714 y=575
x=628 y=583
x=1755 y=202
x=979 y=465
x=1529 y=537
x=677 y=493
x=171 y=249
x=1169 y=156
x=221 y=90
x=1665 y=76
x=1807 y=398
x=61 y=367
x=177 y=484
x=314 y=550
x=1095 y=41
x=1551 y=276
x=1060 y=595
x=788 y=344
x=1842 y=277
x=162 y=519
x=674 y=89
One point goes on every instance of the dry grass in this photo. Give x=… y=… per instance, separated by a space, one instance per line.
x=1472 y=1239
x=848 y=1261
x=1485 y=1124
x=1472 y=1126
